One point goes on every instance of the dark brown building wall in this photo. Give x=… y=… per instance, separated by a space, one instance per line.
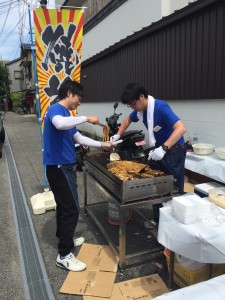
x=179 y=57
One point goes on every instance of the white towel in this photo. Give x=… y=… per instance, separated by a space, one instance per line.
x=150 y=120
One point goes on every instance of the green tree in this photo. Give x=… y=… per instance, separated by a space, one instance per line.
x=16 y=96
x=4 y=80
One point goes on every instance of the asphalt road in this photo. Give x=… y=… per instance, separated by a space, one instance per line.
x=24 y=138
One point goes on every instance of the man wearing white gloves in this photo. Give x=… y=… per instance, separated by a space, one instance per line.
x=60 y=136
x=165 y=132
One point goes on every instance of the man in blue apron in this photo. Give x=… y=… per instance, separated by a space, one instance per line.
x=165 y=131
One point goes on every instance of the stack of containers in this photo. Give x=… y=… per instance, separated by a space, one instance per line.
x=203 y=189
x=190 y=208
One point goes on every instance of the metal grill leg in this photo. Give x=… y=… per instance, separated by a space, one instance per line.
x=122 y=241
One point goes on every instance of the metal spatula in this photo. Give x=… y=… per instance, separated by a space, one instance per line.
x=115 y=156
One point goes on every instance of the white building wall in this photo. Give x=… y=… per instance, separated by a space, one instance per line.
x=169 y=6
x=206 y=118
x=203 y=117
x=130 y=17
x=15 y=86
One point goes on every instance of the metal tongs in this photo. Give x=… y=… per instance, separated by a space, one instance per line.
x=102 y=125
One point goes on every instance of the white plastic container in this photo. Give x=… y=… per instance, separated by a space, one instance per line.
x=217 y=196
x=190 y=208
x=184 y=208
x=203 y=149
x=220 y=152
x=203 y=189
x=189 y=263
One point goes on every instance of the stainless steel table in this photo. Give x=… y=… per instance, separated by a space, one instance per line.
x=120 y=250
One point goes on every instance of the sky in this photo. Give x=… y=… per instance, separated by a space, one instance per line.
x=14 y=26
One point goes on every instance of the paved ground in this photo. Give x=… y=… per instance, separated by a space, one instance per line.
x=23 y=134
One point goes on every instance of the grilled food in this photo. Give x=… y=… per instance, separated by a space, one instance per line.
x=105 y=133
x=130 y=170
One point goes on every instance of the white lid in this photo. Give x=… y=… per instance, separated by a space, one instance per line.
x=205 y=187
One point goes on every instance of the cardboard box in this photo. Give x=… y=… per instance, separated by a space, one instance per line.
x=192 y=277
x=189 y=187
x=142 y=288
x=99 y=276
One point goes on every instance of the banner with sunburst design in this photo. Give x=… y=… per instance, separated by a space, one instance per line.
x=58 y=38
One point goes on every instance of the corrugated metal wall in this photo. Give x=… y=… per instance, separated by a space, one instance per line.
x=179 y=57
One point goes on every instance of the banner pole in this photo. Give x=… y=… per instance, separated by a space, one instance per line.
x=37 y=95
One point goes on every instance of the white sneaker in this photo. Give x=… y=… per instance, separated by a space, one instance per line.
x=78 y=242
x=71 y=263
x=150 y=224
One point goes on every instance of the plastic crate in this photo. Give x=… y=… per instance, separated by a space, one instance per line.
x=191 y=277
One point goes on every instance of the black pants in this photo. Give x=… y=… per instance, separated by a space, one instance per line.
x=63 y=183
x=172 y=164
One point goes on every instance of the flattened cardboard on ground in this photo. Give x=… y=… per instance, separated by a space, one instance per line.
x=98 y=257
x=98 y=279
x=189 y=187
x=142 y=288
x=116 y=295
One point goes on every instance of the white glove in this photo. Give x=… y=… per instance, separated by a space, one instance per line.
x=156 y=154
x=115 y=138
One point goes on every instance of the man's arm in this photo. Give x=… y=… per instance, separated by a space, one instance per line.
x=86 y=141
x=64 y=123
x=124 y=125
x=178 y=131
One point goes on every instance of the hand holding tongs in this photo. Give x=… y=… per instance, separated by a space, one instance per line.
x=117 y=142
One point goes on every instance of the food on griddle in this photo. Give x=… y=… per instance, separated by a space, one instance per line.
x=105 y=133
x=130 y=170
x=127 y=165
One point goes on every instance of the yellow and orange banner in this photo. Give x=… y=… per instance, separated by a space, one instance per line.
x=58 y=38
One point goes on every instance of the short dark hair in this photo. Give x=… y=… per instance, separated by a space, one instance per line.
x=132 y=92
x=69 y=85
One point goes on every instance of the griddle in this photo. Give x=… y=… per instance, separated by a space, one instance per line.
x=131 y=190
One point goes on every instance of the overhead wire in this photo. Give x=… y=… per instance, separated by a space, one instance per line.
x=16 y=52
x=6 y=32
x=24 y=19
x=20 y=27
x=6 y=7
x=6 y=4
x=3 y=27
x=4 y=40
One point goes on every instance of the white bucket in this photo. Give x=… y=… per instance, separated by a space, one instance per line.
x=114 y=214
